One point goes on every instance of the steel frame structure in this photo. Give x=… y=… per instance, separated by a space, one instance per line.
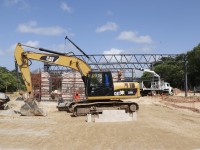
x=114 y=62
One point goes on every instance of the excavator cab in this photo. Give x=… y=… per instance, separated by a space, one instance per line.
x=99 y=83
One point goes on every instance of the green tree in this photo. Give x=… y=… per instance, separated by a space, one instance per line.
x=8 y=81
x=20 y=85
x=170 y=70
x=193 y=58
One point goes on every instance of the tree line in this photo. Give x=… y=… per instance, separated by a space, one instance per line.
x=170 y=70
x=9 y=82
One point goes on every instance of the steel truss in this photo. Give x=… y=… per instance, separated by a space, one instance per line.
x=114 y=62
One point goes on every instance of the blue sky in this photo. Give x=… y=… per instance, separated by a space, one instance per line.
x=106 y=26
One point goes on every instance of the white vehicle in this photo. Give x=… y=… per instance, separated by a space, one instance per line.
x=154 y=87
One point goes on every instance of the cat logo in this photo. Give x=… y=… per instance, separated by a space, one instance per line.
x=50 y=58
x=121 y=92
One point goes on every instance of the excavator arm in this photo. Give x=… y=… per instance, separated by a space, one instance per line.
x=22 y=58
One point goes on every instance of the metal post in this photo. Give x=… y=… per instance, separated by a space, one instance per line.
x=46 y=67
x=132 y=73
x=186 y=79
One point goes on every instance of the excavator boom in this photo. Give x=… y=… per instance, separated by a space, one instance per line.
x=22 y=58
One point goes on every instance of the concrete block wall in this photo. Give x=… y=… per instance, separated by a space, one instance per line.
x=45 y=86
x=71 y=84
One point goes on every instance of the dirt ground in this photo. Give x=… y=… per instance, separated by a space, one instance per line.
x=160 y=125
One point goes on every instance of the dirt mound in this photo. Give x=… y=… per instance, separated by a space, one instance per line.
x=178 y=99
x=182 y=103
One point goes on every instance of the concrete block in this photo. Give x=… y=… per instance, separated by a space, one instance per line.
x=134 y=116
x=113 y=112
x=115 y=116
x=89 y=118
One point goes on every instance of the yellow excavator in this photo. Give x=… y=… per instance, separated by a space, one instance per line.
x=100 y=90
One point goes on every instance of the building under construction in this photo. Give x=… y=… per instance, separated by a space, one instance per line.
x=68 y=84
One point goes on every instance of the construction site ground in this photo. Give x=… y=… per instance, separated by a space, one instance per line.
x=163 y=123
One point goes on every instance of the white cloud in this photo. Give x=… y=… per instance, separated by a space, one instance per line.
x=29 y=43
x=65 y=7
x=113 y=51
x=134 y=37
x=32 y=43
x=117 y=58
x=22 y=4
x=109 y=26
x=32 y=27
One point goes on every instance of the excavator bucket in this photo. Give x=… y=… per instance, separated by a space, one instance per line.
x=31 y=108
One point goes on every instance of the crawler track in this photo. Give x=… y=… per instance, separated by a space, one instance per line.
x=84 y=108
